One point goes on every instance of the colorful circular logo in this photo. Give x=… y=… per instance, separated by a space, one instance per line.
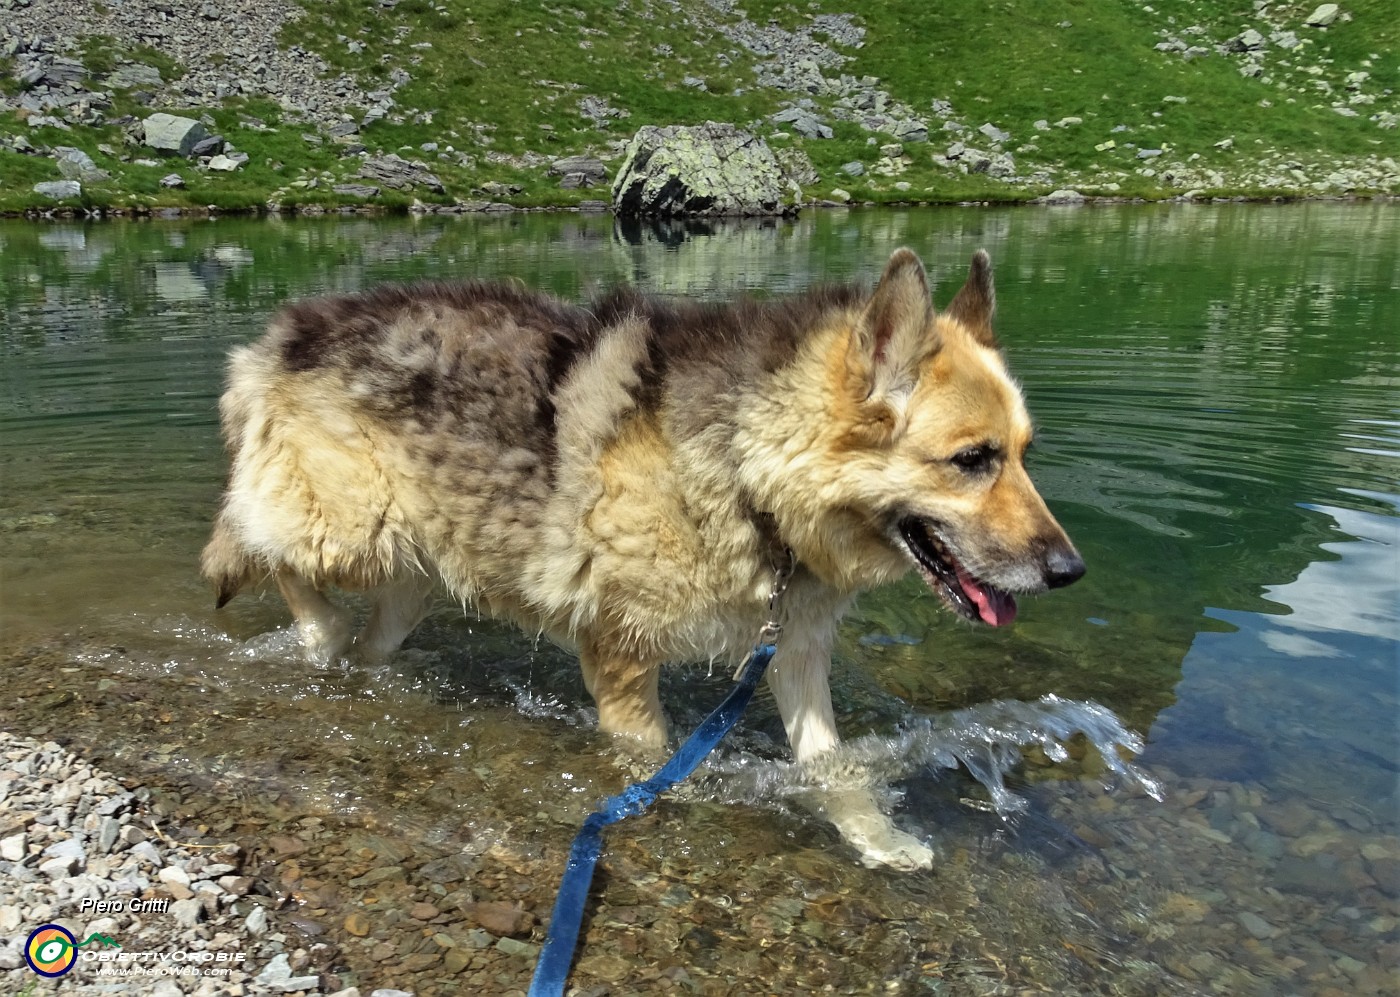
x=51 y=950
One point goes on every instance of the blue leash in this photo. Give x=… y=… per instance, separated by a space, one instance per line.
x=552 y=970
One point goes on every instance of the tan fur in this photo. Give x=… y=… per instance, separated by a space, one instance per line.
x=540 y=463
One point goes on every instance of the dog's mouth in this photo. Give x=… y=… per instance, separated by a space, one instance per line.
x=968 y=595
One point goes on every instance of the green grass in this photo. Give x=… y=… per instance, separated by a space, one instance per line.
x=500 y=81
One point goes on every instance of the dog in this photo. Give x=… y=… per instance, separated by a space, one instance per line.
x=630 y=477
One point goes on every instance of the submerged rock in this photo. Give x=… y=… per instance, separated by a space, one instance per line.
x=709 y=169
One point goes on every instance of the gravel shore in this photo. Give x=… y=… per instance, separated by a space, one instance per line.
x=82 y=851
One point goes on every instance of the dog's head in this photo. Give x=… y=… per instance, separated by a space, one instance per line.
x=924 y=457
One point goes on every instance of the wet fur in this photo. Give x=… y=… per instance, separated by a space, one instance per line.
x=625 y=476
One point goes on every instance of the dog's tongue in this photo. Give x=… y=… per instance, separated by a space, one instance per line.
x=996 y=607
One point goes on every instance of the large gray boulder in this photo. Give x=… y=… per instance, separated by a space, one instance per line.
x=709 y=169
x=172 y=134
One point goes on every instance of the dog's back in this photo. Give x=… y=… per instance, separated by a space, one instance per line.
x=356 y=418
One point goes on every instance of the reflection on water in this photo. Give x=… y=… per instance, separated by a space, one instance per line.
x=1217 y=428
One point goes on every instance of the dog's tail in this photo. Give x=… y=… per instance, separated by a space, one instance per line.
x=225 y=561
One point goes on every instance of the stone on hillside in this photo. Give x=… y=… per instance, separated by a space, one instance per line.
x=1001 y=166
x=854 y=168
x=59 y=190
x=356 y=190
x=1323 y=16
x=172 y=180
x=211 y=146
x=709 y=169
x=344 y=132
x=400 y=174
x=797 y=166
x=133 y=76
x=59 y=71
x=994 y=133
x=593 y=170
x=803 y=121
x=976 y=160
x=75 y=164
x=1065 y=196
x=170 y=133
x=910 y=130
x=1248 y=40
x=226 y=164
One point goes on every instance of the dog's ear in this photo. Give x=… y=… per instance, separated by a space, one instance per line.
x=976 y=301
x=895 y=332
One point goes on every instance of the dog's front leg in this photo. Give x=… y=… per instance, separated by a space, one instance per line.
x=800 y=679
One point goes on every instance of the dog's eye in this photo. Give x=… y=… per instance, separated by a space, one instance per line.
x=973 y=459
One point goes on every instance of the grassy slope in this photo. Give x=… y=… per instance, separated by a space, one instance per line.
x=498 y=76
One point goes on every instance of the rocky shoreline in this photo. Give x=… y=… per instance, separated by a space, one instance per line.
x=162 y=122
x=83 y=851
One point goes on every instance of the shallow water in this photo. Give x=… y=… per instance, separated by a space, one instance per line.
x=1218 y=429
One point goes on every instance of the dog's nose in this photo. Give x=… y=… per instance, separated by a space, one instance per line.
x=1063 y=567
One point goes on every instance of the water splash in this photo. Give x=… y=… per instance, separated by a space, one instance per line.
x=986 y=739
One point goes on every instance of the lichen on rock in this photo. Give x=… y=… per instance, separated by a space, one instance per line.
x=710 y=169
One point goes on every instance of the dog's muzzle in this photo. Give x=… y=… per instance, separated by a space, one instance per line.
x=967 y=595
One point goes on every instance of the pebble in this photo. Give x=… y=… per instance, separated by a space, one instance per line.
x=513 y=946
x=187 y=913
x=1256 y=926
x=256 y=921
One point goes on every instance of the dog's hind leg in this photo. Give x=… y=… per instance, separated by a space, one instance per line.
x=627 y=691
x=399 y=606
x=324 y=627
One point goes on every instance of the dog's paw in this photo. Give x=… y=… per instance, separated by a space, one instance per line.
x=867 y=829
x=898 y=850
x=324 y=645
